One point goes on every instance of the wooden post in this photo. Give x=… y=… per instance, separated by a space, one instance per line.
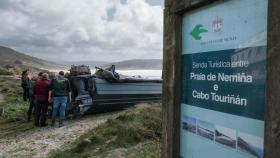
x=171 y=89
x=272 y=107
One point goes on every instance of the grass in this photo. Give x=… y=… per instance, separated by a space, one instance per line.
x=13 y=107
x=135 y=133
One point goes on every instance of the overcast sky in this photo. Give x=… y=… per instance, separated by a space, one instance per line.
x=71 y=30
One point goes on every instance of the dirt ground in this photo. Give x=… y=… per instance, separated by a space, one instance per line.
x=39 y=142
x=1 y=98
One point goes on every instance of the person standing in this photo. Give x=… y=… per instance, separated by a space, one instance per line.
x=30 y=90
x=52 y=76
x=40 y=75
x=24 y=84
x=41 y=93
x=60 y=91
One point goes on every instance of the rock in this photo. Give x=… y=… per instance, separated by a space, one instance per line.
x=87 y=140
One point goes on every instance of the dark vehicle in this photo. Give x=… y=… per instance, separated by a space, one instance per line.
x=107 y=90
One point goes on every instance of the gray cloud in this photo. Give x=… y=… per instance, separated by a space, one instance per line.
x=82 y=30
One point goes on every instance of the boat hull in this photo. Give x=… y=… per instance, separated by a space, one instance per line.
x=108 y=96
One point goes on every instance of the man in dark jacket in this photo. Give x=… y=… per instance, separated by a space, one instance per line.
x=41 y=93
x=24 y=83
x=60 y=91
x=30 y=88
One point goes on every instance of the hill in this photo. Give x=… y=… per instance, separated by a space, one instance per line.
x=10 y=57
x=144 y=64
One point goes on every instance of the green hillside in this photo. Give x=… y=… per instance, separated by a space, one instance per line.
x=10 y=57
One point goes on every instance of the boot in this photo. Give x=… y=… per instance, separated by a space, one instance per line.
x=43 y=124
x=53 y=122
x=28 y=116
x=60 y=123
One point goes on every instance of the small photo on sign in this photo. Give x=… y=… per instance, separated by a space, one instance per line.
x=225 y=136
x=189 y=124
x=205 y=129
x=250 y=144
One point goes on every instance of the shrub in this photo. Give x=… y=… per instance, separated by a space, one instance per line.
x=4 y=71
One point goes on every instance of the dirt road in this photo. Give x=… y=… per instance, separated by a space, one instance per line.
x=39 y=142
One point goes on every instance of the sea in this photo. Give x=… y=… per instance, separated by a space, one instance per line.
x=150 y=74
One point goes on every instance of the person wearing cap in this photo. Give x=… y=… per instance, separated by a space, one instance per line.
x=60 y=92
x=41 y=93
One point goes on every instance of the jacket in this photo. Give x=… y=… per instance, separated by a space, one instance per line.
x=60 y=86
x=41 y=90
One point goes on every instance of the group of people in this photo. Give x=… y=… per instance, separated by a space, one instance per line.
x=43 y=92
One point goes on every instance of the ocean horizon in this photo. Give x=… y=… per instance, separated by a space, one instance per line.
x=152 y=74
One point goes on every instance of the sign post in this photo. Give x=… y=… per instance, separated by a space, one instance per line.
x=223 y=80
x=217 y=72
